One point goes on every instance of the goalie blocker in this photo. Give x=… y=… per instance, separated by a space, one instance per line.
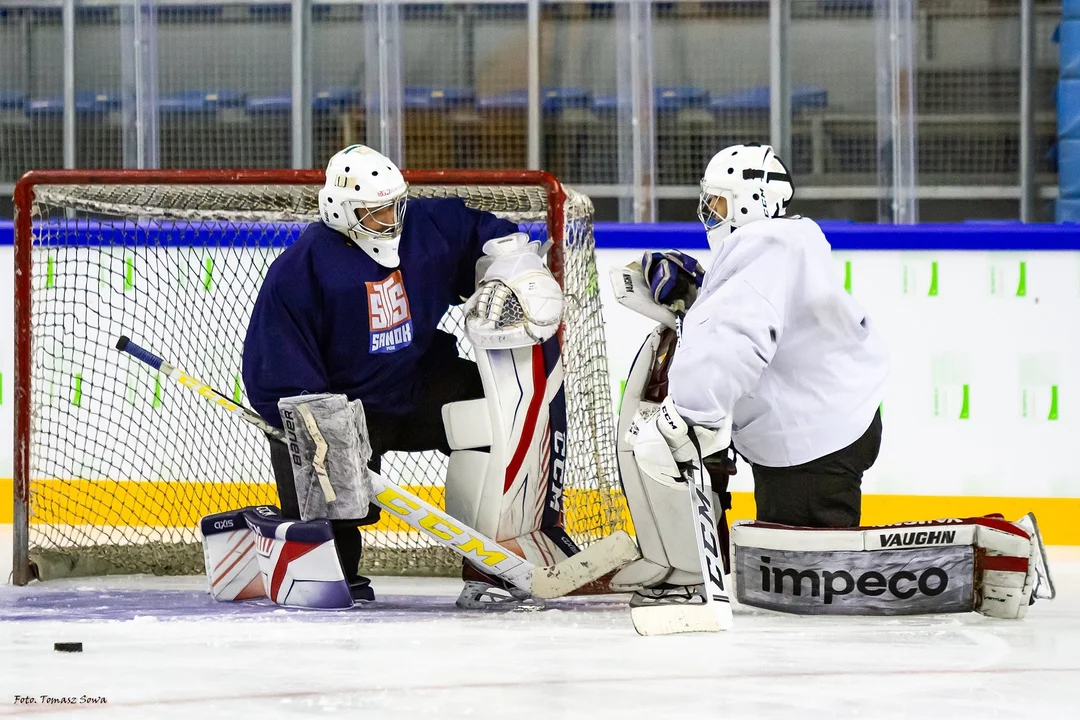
x=981 y=564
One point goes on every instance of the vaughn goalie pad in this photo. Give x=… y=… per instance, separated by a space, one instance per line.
x=508 y=453
x=328 y=445
x=982 y=564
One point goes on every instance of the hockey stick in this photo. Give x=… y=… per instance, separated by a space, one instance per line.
x=714 y=614
x=552 y=581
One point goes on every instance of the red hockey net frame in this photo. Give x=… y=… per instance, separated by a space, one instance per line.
x=25 y=198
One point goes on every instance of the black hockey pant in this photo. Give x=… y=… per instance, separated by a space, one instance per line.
x=826 y=492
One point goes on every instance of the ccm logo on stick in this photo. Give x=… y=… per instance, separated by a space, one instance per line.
x=432 y=523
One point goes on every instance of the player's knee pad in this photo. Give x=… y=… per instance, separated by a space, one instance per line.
x=508 y=452
x=984 y=564
x=232 y=568
x=298 y=562
x=659 y=507
x=328 y=444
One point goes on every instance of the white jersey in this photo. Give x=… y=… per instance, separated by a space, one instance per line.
x=774 y=339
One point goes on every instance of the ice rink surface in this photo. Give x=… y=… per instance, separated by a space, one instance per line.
x=161 y=648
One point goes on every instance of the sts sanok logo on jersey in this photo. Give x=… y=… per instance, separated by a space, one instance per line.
x=389 y=319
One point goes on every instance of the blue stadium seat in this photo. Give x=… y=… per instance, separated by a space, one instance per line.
x=510 y=100
x=11 y=100
x=680 y=98
x=201 y=101
x=270 y=11
x=552 y=100
x=336 y=99
x=848 y=5
x=757 y=98
x=86 y=103
x=665 y=99
x=279 y=103
x=326 y=100
x=432 y=98
x=1070 y=9
x=557 y=99
x=184 y=13
x=605 y=104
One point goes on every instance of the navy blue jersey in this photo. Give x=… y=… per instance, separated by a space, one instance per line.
x=328 y=318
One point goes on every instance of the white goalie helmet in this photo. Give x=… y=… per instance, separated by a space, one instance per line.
x=753 y=182
x=364 y=198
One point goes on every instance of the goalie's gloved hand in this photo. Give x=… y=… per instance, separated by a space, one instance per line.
x=673 y=277
x=661 y=441
x=517 y=301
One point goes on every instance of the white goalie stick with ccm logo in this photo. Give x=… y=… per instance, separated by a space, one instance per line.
x=603 y=556
x=713 y=614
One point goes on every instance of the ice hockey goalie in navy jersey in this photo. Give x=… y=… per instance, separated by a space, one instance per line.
x=353 y=307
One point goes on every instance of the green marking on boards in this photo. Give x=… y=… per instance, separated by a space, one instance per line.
x=593 y=286
x=847 y=276
x=622 y=391
x=1053 y=403
x=50 y=272
x=129 y=273
x=208 y=274
x=933 y=279
x=1023 y=404
x=236 y=395
x=77 y=400
x=965 y=404
x=157 y=391
x=1021 y=287
x=1 y=388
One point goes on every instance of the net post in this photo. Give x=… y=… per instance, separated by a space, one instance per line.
x=24 y=198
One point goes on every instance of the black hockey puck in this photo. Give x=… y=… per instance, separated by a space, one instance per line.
x=67 y=647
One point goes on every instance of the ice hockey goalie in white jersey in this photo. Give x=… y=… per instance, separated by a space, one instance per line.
x=778 y=360
x=774 y=341
x=772 y=348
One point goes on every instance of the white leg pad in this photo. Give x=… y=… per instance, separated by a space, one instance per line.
x=465 y=490
x=659 y=508
x=512 y=488
x=232 y=567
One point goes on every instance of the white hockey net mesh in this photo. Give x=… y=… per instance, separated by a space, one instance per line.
x=123 y=462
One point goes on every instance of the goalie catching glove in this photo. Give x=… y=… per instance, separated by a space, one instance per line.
x=674 y=279
x=517 y=300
